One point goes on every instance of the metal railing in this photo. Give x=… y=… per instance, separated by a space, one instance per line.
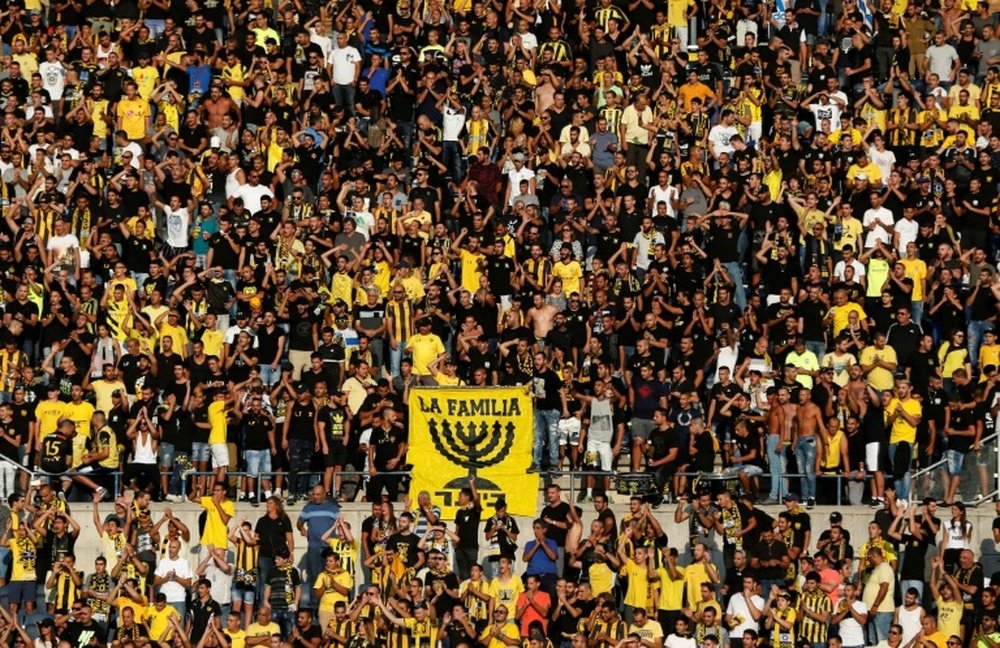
x=979 y=480
x=978 y=483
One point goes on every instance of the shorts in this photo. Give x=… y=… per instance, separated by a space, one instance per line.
x=569 y=431
x=749 y=470
x=246 y=595
x=258 y=461
x=19 y=592
x=199 y=452
x=872 y=453
x=641 y=428
x=602 y=449
x=955 y=460
x=336 y=457
x=166 y=456
x=220 y=455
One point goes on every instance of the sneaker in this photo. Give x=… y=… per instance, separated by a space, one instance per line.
x=176 y=499
x=810 y=503
x=533 y=468
x=291 y=500
x=875 y=503
x=102 y=492
x=244 y=497
x=253 y=501
x=587 y=499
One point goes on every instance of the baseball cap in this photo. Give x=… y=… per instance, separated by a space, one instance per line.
x=790 y=497
x=836 y=517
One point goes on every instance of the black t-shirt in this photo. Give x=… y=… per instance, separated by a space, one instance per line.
x=310 y=633
x=80 y=635
x=257 y=428
x=467 y=526
x=406 y=546
x=272 y=534
x=386 y=444
x=559 y=513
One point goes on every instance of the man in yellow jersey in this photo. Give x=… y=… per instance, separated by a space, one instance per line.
x=47 y=415
x=133 y=114
x=218 y=411
x=220 y=511
x=332 y=585
x=157 y=619
x=425 y=347
x=80 y=413
x=903 y=414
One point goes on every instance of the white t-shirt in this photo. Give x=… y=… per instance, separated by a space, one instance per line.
x=675 y=641
x=53 y=78
x=658 y=194
x=940 y=60
x=515 y=177
x=882 y=216
x=883 y=160
x=738 y=608
x=852 y=633
x=61 y=248
x=720 y=136
x=907 y=230
x=454 y=122
x=177 y=226
x=251 y=196
x=173 y=590
x=343 y=61
x=829 y=111
x=859 y=269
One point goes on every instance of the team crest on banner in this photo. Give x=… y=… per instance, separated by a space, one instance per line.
x=462 y=432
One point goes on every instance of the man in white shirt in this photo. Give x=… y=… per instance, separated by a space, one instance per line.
x=721 y=133
x=344 y=66
x=173 y=576
x=745 y=608
x=452 y=125
x=878 y=222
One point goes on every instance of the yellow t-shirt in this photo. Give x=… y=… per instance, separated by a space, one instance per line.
x=570 y=273
x=102 y=393
x=841 y=315
x=470 y=270
x=177 y=333
x=158 y=622
x=237 y=639
x=879 y=378
x=950 y=617
x=638 y=584
x=671 y=591
x=146 y=79
x=901 y=430
x=694 y=576
x=80 y=415
x=330 y=596
x=424 y=349
x=133 y=114
x=917 y=271
x=213 y=341
x=506 y=593
x=257 y=630
x=216 y=532
x=48 y=414
x=952 y=360
x=217 y=418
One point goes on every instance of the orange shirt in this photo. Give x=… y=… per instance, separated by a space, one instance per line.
x=699 y=90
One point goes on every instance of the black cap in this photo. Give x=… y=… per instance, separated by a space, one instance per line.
x=836 y=517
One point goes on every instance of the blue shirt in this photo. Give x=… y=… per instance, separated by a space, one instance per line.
x=318 y=519
x=540 y=562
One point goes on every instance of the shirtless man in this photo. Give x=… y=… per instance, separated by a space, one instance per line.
x=777 y=437
x=541 y=317
x=544 y=92
x=808 y=444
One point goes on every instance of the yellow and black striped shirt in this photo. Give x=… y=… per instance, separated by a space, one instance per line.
x=347 y=552
x=65 y=591
x=400 y=315
x=818 y=602
x=345 y=629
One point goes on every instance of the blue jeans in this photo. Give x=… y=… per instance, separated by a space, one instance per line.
x=452 y=158
x=917 y=312
x=546 y=432
x=976 y=329
x=299 y=455
x=343 y=96
x=395 y=357
x=778 y=464
x=915 y=584
x=903 y=485
x=269 y=376
x=880 y=623
x=805 y=455
x=818 y=347
x=823 y=17
x=736 y=274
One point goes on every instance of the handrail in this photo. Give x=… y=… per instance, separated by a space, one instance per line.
x=16 y=464
x=944 y=460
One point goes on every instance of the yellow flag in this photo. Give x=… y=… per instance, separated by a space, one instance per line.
x=460 y=432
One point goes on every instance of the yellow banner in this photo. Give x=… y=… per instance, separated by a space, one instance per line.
x=462 y=432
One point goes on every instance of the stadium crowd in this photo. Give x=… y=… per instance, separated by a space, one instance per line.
x=752 y=240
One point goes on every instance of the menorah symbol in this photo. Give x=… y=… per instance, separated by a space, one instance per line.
x=472 y=445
